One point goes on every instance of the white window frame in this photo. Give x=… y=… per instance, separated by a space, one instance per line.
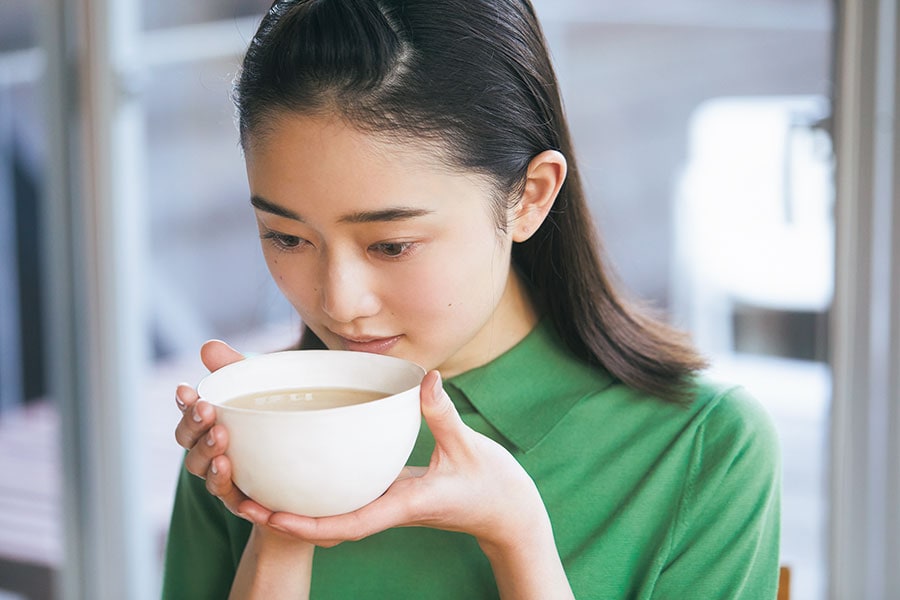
x=864 y=491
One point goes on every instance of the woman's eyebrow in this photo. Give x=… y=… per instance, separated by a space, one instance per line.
x=399 y=213
x=264 y=205
x=387 y=214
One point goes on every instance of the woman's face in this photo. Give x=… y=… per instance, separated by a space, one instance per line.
x=381 y=248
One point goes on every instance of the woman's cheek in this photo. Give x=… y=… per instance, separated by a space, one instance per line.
x=424 y=291
x=276 y=269
x=294 y=283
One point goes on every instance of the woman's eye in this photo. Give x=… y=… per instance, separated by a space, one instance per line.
x=392 y=249
x=283 y=241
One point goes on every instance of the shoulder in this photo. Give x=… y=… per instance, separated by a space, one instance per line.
x=724 y=539
x=735 y=441
x=729 y=412
x=723 y=428
x=715 y=410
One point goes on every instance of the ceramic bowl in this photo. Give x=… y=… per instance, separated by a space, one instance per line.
x=322 y=461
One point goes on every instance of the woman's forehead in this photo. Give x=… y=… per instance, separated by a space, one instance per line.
x=326 y=153
x=331 y=132
x=314 y=167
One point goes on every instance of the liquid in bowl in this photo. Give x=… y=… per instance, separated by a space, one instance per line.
x=304 y=399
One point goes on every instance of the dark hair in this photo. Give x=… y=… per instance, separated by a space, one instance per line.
x=474 y=79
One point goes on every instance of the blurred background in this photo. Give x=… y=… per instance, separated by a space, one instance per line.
x=704 y=131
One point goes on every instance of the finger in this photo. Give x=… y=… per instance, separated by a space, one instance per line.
x=216 y=354
x=218 y=477
x=254 y=511
x=220 y=484
x=185 y=396
x=194 y=424
x=373 y=518
x=440 y=414
x=208 y=447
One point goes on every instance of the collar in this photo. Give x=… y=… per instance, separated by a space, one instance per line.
x=526 y=391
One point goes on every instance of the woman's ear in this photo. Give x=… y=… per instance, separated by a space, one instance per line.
x=545 y=176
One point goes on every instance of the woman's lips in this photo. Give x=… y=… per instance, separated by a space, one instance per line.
x=374 y=345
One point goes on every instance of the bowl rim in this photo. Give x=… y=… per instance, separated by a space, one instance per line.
x=220 y=404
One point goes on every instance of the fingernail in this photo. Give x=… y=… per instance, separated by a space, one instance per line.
x=181 y=405
x=277 y=527
x=196 y=416
x=210 y=440
x=212 y=467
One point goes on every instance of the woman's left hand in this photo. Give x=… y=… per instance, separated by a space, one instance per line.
x=472 y=485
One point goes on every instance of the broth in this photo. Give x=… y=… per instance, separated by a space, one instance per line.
x=304 y=399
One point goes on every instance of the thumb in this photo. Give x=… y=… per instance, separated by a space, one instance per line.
x=440 y=414
x=216 y=354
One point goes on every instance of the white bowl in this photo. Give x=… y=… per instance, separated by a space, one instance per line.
x=325 y=461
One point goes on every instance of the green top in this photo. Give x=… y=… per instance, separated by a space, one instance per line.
x=647 y=499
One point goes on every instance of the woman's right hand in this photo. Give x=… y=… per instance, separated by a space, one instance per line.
x=198 y=433
x=273 y=565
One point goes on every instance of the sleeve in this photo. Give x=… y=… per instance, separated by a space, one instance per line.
x=726 y=542
x=204 y=544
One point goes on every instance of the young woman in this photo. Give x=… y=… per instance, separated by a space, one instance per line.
x=416 y=194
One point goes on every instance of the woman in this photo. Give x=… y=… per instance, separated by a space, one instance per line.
x=417 y=195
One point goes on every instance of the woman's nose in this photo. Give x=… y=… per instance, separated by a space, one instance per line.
x=346 y=293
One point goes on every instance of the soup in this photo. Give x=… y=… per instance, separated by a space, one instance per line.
x=304 y=399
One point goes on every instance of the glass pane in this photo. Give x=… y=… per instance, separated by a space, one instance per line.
x=699 y=128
